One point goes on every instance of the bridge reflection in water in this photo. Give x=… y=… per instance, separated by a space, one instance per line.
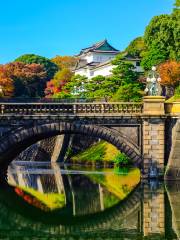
x=57 y=201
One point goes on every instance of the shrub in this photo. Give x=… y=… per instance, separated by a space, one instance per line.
x=122 y=159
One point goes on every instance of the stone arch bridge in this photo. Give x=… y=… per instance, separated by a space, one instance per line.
x=140 y=130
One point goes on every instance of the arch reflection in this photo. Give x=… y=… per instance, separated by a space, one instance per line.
x=54 y=200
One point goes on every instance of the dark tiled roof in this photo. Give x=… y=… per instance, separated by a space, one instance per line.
x=128 y=56
x=102 y=46
x=83 y=63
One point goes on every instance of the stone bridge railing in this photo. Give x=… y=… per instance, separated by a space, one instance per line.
x=94 y=108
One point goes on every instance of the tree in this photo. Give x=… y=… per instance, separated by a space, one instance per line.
x=63 y=95
x=123 y=72
x=153 y=57
x=122 y=85
x=177 y=3
x=60 y=79
x=76 y=86
x=170 y=74
x=6 y=83
x=136 y=47
x=50 y=67
x=162 y=39
x=177 y=93
x=129 y=92
x=65 y=62
x=99 y=87
x=28 y=79
x=125 y=79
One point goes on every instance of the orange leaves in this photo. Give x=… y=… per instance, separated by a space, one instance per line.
x=65 y=61
x=28 y=74
x=6 y=83
x=170 y=73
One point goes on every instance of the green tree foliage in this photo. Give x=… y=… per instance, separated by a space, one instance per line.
x=100 y=87
x=50 y=67
x=63 y=95
x=122 y=85
x=136 y=47
x=162 y=39
x=177 y=3
x=121 y=160
x=74 y=88
x=123 y=72
x=177 y=92
x=153 y=56
x=126 y=81
x=129 y=92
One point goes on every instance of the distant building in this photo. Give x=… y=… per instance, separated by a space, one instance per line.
x=96 y=60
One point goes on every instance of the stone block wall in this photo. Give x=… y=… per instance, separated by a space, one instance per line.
x=153 y=212
x=173 y=167
x=153 y=146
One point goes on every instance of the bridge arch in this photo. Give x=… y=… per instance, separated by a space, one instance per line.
x=14 y=143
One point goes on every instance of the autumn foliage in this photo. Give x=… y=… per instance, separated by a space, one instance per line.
x=65 y=61
x=23 y=78
x=170 y=73
x=6 y=83
x=60 y=79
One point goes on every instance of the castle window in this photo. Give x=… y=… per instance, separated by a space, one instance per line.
x=138 y=64
x=91 y=73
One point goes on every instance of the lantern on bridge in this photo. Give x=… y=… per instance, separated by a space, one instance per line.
x=153 y=87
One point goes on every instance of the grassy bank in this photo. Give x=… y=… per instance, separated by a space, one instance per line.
x=99 y=152
x=119 y=185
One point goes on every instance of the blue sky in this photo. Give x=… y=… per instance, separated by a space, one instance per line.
x=63 y=27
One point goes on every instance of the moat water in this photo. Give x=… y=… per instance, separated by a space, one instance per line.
x=52 y=201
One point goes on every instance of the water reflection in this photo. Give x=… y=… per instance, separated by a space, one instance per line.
x=69 y=202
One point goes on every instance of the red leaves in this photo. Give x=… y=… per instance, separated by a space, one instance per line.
x=60 y=79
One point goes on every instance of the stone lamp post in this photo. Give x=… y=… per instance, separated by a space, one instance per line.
x=153 y=127
x=153 y=102
x=153 y=87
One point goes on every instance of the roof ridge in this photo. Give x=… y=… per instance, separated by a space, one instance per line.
x=96 y=46
x=99 y=44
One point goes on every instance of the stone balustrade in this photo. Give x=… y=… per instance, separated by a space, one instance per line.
x=78 y=108
x=94 y=108
x=172 y=108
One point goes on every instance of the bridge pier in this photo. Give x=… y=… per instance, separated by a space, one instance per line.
x=153 y=211
x=153 y=137
x=173 y=166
